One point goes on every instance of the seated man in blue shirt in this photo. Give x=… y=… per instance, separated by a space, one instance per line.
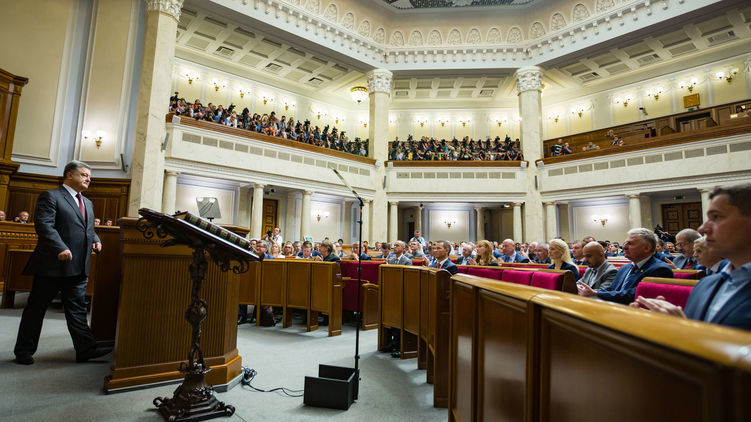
x=509 y=254
x=542 y=252
x=725 y=297
x=639 y=248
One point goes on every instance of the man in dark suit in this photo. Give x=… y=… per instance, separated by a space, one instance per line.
x=639 y=247
x=600 y=273
x=725 y=297
x=64 y=222
x=327 y=252
x=440 y=252
x=509 y=254
x=684 y=242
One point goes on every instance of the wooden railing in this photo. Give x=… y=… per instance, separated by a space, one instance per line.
x=472 y=163
x=520 y=353
x=737 y=127
x=249 y=134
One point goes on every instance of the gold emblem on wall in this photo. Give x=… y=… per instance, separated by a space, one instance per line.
x=691 y=101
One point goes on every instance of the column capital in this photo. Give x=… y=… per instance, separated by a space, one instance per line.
x=632 y=195
x=517 y=204
x=258 y=186
x=170 y=7
x=528 y=78
x=394 y=203
x=307 y=192
x=379 y=80
x=171 y=173
x=367 y=201
x=550 y=203
x=706 y=190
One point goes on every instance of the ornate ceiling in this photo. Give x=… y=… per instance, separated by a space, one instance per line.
x=435 y=4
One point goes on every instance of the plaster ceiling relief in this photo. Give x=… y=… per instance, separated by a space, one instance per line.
x=379 y=36
x=604 y=5
x=415 y=38
x=331 y=13
x=348 y=21
x=514 y=35
x=557 y=21
x=434 y=38
x=364 y=28
x=454 y=38
x=494 y=36
x=313 y=6
x=536 y=30
x=439 y=4
x=397 y=39
x=579 y=13
x=473 y=37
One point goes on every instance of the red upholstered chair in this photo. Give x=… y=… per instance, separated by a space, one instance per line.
x=582 y=270
x=418 y=262
x=675 y=294
x=462 y=269
x=369 y=275
x=544 y=280
x=516 y=276
x=485 y=272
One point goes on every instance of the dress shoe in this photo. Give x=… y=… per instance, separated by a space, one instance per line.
x=93 y=353
x=24 y=360
x=396 y=355
x=105 y=343
x=242 y=321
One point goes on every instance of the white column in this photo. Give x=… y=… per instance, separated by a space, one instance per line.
x=393 y=220
x=551 y=221
x=305 y=215
x=243 y=206
x=289 y=219
x=169 y=195
x=157 y=64
x=704 y=201
x=634 y=210
x=379 y=88
x=256 y=212
x=365 y=220
x=529 y=87
x=480 y=223
x=517 y=222
x=418 y=222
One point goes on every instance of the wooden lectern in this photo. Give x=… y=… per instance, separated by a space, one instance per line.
x=153 y=338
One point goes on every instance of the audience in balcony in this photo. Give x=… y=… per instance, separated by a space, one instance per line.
x=270 y=124
x=590 y=146
x=430 y=149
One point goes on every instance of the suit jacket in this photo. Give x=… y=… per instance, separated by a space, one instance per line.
x=517 y=258
x=623 y=287
x=566 y=266
x=602 y=279
x=331 y=258
x=462 y=260
x=60 y=226
x=680 y=261
x=736 y=312
x=402 y=260
x=448 y=266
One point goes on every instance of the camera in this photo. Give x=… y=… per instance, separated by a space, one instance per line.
x=268 y=233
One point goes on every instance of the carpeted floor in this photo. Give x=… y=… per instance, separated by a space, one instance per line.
x=56 y=388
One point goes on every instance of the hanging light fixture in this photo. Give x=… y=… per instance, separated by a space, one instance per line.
x=358 y=93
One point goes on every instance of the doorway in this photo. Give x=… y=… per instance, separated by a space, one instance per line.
x=676 y=217
x=270 y=207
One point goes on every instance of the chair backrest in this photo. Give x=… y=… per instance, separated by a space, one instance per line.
x=370 y=271
x=582 y=270
x=689 y=274
x=495 y=274
x=546 y=280
x=673 y=293
x=462 y=269
x=518 y=277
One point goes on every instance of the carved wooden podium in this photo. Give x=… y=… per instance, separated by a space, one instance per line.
x=152 y=340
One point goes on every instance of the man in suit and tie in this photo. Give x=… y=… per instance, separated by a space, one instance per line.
x=466 y=256
x=725 y=297
x=600 y=273
x=440 y=252
x=577 y=252
x=509 y=254
x=684 y=242
x=64 y=222
x=639 y=248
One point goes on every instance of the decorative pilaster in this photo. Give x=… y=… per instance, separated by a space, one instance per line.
x=170 y=192
x=418 y=222
x=480 y=223
x=393 y=220
x=256 y=212
x=518 y=222
x=243 y=206
x=704 y=201
x=147 y=164
x=290 y=232
x=365 y=220
x=551 y=221
x=529 y=85
x=634 y=211
x=379 y=88
x=305 y=215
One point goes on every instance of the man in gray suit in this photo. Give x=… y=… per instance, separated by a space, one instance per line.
x=600 y=272
x=64 y=222
x=399 y=257
x=684 y=241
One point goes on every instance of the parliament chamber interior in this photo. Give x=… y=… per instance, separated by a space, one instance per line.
x=240 y=151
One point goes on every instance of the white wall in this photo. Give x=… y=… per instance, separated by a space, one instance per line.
x=186 y=200
x=330 y=226
x=614 y=230
x=440 y=231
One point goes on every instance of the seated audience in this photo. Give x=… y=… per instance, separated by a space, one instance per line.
x=307 y=251
x=542 y=251
x=669 y=248
x=418 y=238
x=415 y=250
x=557 y=148
x=660 y=251
x=466 y=255
x=440 y=252
x=97 y=222
x=2 y=215
x=707 y=260
x=577 y=252
x=275 y=250
x=612 y=250
x=684 y=242
x=108 y=222
x=23 y=217
x=385 y=249
x=288 y=251
x=398 y=257
x=725 y=297
x=561 y=257
x=484 y=254
x=356 y=255
x=262 y=248
x=639 y=248
x=600 y=273
x=590 y=146
x=327 y=249
x=509 y=253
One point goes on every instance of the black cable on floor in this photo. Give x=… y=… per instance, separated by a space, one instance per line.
x=249 y=374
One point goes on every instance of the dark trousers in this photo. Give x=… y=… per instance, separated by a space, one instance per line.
x=44 y=289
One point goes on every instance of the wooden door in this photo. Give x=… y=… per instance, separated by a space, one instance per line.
x=676 y=217
x=270 y=207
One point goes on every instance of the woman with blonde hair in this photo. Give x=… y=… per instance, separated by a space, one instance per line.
x=275 y=250
x=484 y=254
x=561 y=257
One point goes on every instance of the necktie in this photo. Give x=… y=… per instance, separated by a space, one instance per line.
x=689 y=262
x=80 y=205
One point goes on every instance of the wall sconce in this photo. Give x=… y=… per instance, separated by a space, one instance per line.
x=554 y=117
x=602 y=219
x=321 y=113
x=337 y=118
x=287 y=104
x=318 y=214
x=655 y=92
x=422 y=122
x=97 y=139
x=218 y=84
x=579 y=110
x=358 y=94
x=449 y=222
x=688 y=85
x=392 y=120
x=364 y=123
x=624 y=100
x=464 y=122
x=243 y=91
x=191 y=76
x=443 y=122
x=518 y=119
x=728 y=75
x=500 y=122
x=267 y=98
